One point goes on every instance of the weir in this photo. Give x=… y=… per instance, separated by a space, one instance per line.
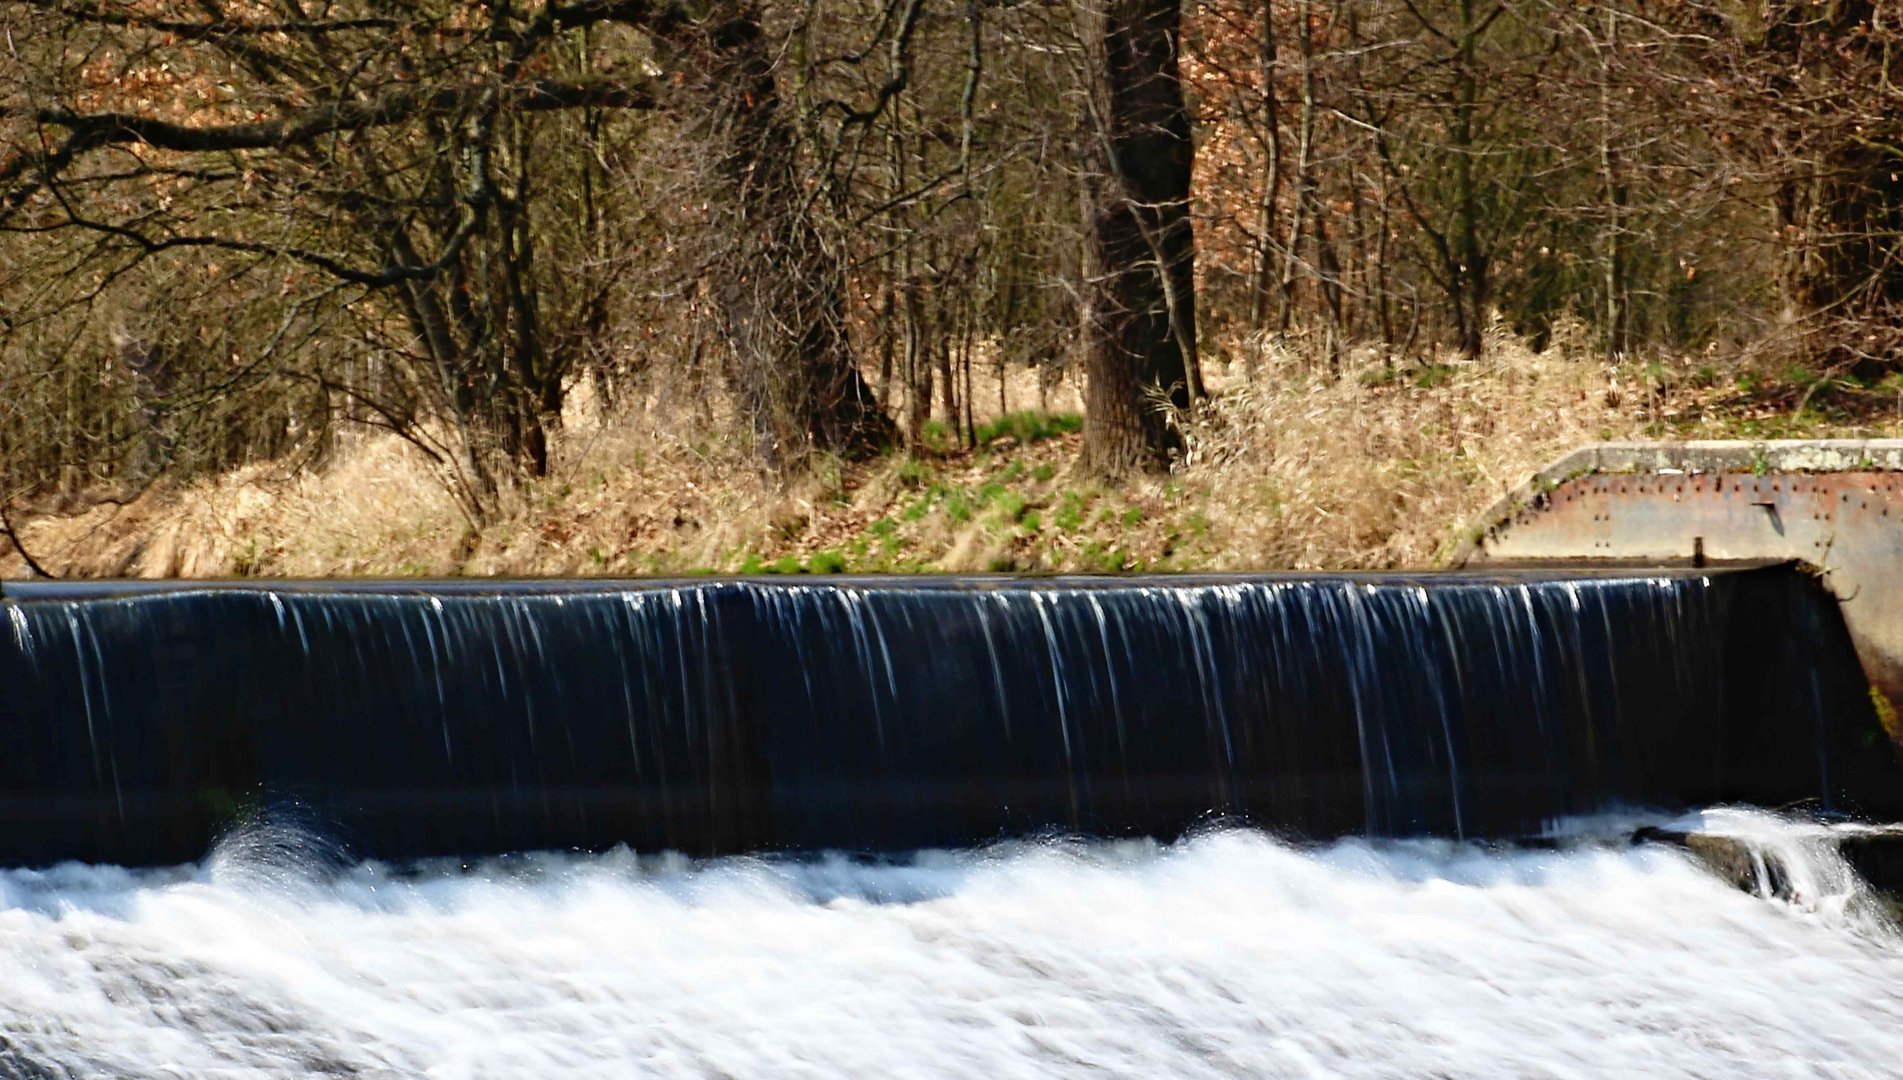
x=138 y=721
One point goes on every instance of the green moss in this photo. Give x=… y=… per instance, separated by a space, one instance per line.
x=1886 y=715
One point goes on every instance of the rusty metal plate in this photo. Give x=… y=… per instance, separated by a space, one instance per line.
x=1844 y=524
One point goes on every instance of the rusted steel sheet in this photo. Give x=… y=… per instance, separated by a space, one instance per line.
x=1834 y=505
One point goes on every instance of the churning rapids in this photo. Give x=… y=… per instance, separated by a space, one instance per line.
x=1227 y=954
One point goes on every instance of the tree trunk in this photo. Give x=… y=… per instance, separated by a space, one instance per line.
x=1617 y=193
x=1260 y=276
x=1467 y=272
x=782 y=295
x=1141 y=320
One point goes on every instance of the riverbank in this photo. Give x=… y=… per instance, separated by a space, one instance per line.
x=1290 y=466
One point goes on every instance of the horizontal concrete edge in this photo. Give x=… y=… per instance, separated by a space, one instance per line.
x=1691 y=457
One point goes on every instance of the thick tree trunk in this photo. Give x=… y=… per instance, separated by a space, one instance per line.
x=782 y=293
x=1140 y=349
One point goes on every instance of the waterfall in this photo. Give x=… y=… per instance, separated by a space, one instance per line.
x=137 y=722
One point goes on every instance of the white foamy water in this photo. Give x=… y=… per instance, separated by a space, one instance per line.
x=1227 y=955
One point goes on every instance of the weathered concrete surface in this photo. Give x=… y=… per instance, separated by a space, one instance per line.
x=1834 y=505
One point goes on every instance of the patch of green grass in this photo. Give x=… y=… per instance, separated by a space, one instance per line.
x=938 y=437
x=1043 y=473
x=245 y=559
x=831 y=470
x=826 y=562
x=959 y=504
x=1099 y=559
x=1384 y=375
x=914 y=474
x=1011 y=506
x=1029 y=426
x=1069 y=515
x=918 y=508
x=886 y=532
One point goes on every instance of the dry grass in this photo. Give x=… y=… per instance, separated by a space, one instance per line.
x=1379 y=466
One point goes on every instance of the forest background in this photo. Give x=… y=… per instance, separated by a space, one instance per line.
x=631 y=287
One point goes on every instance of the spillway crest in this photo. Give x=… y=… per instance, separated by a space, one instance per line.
x=726 y=716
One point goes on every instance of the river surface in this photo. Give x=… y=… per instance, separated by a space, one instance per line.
x=1228 y=954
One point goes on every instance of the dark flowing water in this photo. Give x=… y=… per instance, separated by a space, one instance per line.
x=724 y=717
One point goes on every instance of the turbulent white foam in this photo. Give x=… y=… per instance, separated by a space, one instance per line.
x=1228 y=955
